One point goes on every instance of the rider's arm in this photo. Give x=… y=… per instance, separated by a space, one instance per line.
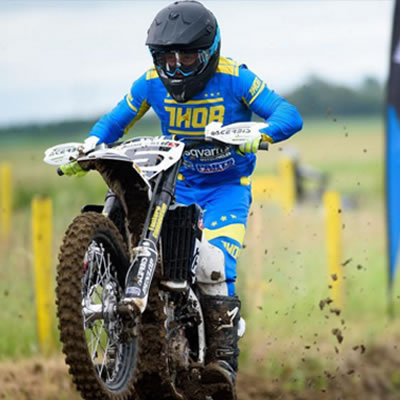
x=113 y=125
x=282 y=117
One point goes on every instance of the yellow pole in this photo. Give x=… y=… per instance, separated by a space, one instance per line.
x=42 y=254
x=255 y=279
x=288 y=184
x=5 y=200
x=265 y=187
x=332 y=205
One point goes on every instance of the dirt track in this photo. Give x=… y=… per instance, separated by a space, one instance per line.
x=374 y=375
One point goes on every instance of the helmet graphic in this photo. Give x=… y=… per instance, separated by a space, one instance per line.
x=184 y=41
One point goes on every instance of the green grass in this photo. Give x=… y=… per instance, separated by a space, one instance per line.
x=352 y=158
x=283 y=274
x=287 y=255
x=16 y=293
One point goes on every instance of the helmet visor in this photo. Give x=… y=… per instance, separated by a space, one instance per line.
x=179 y=64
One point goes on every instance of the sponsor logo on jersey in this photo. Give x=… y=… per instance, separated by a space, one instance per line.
x=215 y=167
x=197 y=117
x=255 y=86
x=208 y=154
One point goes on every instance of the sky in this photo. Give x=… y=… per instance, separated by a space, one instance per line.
x=62 y=60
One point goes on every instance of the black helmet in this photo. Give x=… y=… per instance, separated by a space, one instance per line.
x=184 y=41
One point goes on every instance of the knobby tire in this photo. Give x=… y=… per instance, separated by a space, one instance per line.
x=70 y=274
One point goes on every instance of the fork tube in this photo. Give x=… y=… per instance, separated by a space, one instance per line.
x=163 y=194
x=150 y=211
x=141 y=271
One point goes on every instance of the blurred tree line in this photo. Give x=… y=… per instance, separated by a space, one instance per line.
x=316 y=98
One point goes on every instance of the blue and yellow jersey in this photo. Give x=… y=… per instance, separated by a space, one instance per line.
x=231 y=95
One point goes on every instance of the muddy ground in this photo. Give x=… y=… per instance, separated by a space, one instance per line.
x=373 y=374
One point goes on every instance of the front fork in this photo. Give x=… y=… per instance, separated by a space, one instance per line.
x=145 y=255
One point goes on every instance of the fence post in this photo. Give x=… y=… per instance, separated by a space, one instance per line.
x=333 y=222
x=42 y=255
x=254 y=279
x=288 y=184
x=5 y=200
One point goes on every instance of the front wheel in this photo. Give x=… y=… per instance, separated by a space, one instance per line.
x=101 y=349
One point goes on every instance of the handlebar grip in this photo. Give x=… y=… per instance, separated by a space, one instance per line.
x=59 y=172
x=263 y=146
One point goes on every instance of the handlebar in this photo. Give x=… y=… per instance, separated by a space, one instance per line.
x=263 y=146
x=194 y=142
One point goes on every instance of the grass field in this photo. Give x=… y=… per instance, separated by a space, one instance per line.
x=283 y=274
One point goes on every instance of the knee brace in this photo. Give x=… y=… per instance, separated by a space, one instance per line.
x=210 y=272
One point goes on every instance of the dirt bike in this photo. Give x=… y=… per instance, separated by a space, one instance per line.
x=154 y=346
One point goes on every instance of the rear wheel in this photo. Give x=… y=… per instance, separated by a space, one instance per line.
x=101 y=346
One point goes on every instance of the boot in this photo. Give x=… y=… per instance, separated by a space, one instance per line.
x=221 y=315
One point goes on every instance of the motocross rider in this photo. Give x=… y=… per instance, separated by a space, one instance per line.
x=190 y=86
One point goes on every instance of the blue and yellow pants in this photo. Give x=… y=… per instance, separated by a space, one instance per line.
x=226 y=207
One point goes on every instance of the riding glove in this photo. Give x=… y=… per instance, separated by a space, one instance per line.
x=252 y=145
x=73 y=169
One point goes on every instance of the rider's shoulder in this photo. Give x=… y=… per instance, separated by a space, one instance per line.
x=150 y=74
x=228 y=66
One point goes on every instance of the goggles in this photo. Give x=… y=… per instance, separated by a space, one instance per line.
x=179 y=64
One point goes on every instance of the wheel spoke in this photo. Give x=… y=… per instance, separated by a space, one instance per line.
x=101 y=286
x=105 y=358
x=97 y=341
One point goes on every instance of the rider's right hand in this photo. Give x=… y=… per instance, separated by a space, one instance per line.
x=73 y=169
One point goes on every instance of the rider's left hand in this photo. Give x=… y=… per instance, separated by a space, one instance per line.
x=253 y=145
x=249 y=147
